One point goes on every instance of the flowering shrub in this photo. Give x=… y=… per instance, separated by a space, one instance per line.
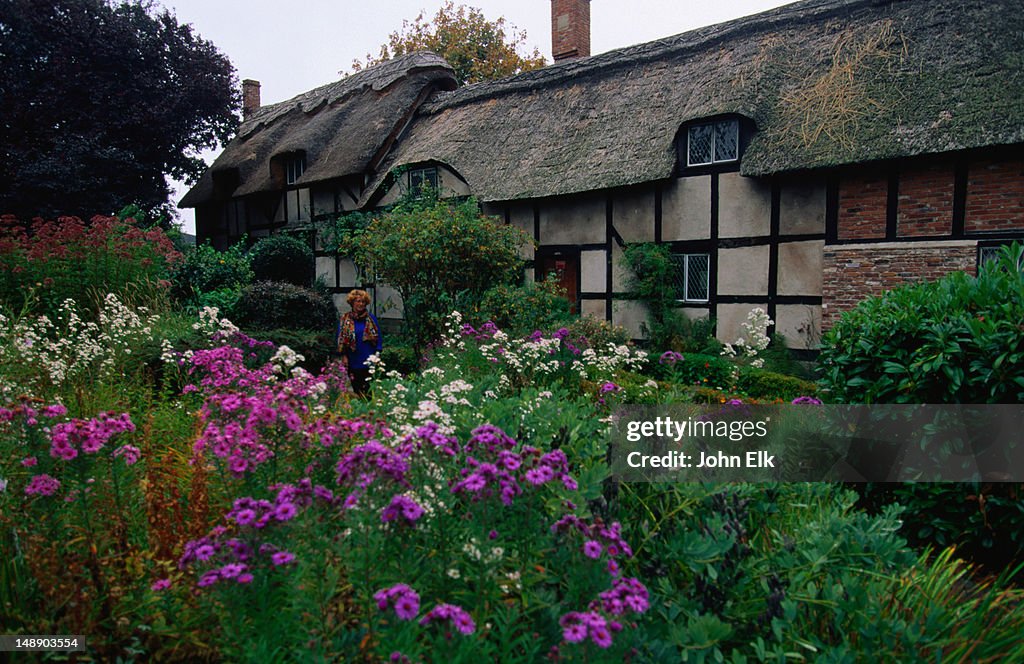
x=62 y=259
x=754 y=339
x=40 y=352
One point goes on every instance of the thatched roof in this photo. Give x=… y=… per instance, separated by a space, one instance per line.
x=826 y=82
x=343 y=127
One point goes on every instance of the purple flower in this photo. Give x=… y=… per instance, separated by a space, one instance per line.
x=285 y=511
x=609 y=387
x=244 y=578
x=160 y=584
x=805 y=400
x=232 y=570
x=282 y=558
x=42 y=485
x=404 y=507
x=209 y=578
x=405 y=600
x=592 y=549
x=204 y=552
x=670 y=357
x=457 y=615
x=28 y=462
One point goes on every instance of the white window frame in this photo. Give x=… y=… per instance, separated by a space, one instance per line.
x=684 y=264
x=714 y=132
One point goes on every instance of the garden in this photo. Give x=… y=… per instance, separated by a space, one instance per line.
x=185 y=474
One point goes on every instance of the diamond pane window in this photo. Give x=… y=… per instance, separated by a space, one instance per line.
x=713 y=143
x=690 y=278
x=701 y=149
x=727 y=141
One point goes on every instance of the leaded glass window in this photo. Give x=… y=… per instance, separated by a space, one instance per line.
x=713 y=143
x=690 y=278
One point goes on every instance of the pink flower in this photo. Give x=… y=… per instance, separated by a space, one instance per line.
x=42 y=485
x=160 y=584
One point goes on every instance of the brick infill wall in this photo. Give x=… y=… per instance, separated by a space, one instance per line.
x=852 y=272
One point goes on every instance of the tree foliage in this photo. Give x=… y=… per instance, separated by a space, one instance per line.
x=477 y=49
x=100 y=101
x=439 y=254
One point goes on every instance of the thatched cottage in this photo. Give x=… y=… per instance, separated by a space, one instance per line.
x=797 y=160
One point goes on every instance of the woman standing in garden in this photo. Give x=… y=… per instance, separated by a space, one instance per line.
x=359 y=337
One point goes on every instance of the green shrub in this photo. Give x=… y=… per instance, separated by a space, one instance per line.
x=440 y=255
x=955 y=340
x=761 y=384
x=282 y=258
x=597 y=332
x=315 y=346
x=697 y=369
x=204 y=270
x=519 y=310
x=273 y=304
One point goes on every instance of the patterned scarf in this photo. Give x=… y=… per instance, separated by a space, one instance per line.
x=347 y=334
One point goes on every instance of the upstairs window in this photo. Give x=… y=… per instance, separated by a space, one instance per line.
x=423 y=177
x=294 y=167
x=713 y=143
x=690 y=278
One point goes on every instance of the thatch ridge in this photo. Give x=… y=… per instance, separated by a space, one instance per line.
x=826 y=83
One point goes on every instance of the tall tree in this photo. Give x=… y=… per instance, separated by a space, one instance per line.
x=100 y=101
x=478 y=49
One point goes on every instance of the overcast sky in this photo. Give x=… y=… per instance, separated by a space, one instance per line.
x=295 y=46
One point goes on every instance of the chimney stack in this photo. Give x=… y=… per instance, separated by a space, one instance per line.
x=570 y=29
x=250 y=97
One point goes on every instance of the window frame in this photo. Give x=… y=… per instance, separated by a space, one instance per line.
x=423 y=172
x=682 y=262
x=714 y=125
x=294 y=167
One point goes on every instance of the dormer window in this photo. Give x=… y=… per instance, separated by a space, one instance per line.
x=423 y=177
x=294 y=167
x=713 y=143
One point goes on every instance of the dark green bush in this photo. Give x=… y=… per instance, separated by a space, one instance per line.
x=204 y=270
x=761 y=384
x=275 y=304
x=598 y=333
x=697 y=369
x=282 y=258
x=315 y=346
x=955 y=340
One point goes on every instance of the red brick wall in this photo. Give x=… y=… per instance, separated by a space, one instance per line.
x=862 y=207
x=995 y=196
x=571 y=39
x=852 y=273
x=925 y=201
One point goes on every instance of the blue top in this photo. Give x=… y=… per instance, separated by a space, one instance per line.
x=364 y=349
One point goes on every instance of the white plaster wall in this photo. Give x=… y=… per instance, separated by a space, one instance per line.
x=730 y=319
x=576 y=220
x=593 y=308
x=593 y=271
x=633 y=215
x=323 y=201
x=744 y=206
x=629 y=314
x=686 y=209
x=621 y=274
x=800 y=324
x=802 y=207
x=325 y=269
x=743 y=271
x=347 y=273
x=800 y=266
x=388 y=302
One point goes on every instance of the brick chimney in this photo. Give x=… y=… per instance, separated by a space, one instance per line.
x=570 y=29
x=250 y=97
